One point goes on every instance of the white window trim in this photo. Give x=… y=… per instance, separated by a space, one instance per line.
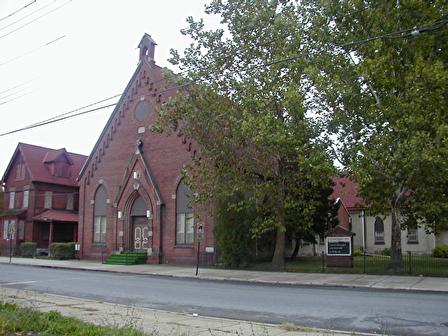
x=12 y=198
x=99 y=230
x=48 y=202
x=5 y=229
x=183 y=224
x=26 y=198
x=70 y=201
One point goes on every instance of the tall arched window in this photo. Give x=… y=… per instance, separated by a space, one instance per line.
x=100 y=216
x=379 y=231
x=184 y=216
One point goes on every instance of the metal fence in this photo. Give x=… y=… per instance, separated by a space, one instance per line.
x=413 y=264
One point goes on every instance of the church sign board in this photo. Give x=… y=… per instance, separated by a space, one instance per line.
x=339 y=246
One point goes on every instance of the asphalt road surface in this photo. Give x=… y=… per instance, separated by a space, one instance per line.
x=385 y=312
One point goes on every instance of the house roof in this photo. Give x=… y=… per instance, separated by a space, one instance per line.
x=347 y=191
x=35 y=158
x=51 y=215
x=53 y=156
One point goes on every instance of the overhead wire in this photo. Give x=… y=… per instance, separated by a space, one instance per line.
x=16 y=86
x=400 y=34
x=35 y=19
x=27 y=15
x=18 y=10
x=14 y=98
x=33 y=50
x=56 y=120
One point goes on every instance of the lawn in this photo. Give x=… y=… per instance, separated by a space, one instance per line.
x=418 y=265
x=24 y=321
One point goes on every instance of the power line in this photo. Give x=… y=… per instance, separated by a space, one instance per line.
x=75 y=110
x=415 y=31
x=33 y=50
x=35 y=19
x=16 y=86
x=15 y=98
x=18 y=10
x=56 y=120
x=28 y=15
x=400 y=34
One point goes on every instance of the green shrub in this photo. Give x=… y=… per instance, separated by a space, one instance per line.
x=386 y=251
x=62 y=251
x=440 y=251
x=28 y=249
x=357 y=252
x=232 y=231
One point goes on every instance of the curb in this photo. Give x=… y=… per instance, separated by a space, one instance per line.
x=237 y=281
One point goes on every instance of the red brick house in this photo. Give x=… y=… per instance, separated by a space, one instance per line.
x=131 y=194
x=40 y=198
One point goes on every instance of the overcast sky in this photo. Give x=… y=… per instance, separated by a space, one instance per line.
x=94 y=60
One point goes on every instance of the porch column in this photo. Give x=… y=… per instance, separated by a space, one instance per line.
x=75 y=232
x=50 y=235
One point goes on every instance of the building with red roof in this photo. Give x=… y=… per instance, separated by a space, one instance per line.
x=373 y=231
x=41 y=196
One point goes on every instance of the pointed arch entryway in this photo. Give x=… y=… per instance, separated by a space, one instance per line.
x=138 y=226
x=140 y=221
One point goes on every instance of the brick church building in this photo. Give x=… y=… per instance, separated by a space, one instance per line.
x=132 y=197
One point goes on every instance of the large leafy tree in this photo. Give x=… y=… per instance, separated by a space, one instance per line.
x=244 y=104
x=380 y=70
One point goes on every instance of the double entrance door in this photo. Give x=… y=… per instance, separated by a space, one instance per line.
x=140 y=239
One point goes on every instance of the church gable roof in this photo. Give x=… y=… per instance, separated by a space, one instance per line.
x=147 y=75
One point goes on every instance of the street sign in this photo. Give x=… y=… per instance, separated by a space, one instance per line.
x=200 y=233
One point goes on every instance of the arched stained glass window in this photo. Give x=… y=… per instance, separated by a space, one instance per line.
x=100 y=214
x=184 y=215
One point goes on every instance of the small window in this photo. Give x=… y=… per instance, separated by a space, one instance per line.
x=48 y=200
x=379 y=231
x=5 y=229
x=412 y=236
x=21 y=230
x=26 y=197
x=12 y=199
x=70 y=199
x=20 y=171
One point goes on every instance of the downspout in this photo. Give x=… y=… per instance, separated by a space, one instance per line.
x=83 y=219
x=160 y=233
x=363 y=227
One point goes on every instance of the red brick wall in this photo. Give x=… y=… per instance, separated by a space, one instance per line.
x=165 y=155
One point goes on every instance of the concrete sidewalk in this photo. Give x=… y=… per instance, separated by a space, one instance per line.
x=414 y=283
x=154 y=322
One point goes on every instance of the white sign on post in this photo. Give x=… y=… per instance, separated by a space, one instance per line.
x=11 y=230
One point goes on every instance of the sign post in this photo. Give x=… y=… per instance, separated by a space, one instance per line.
x=199 y=238
x=11 y=235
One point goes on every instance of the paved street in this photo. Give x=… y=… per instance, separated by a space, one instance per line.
x=380 y=311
